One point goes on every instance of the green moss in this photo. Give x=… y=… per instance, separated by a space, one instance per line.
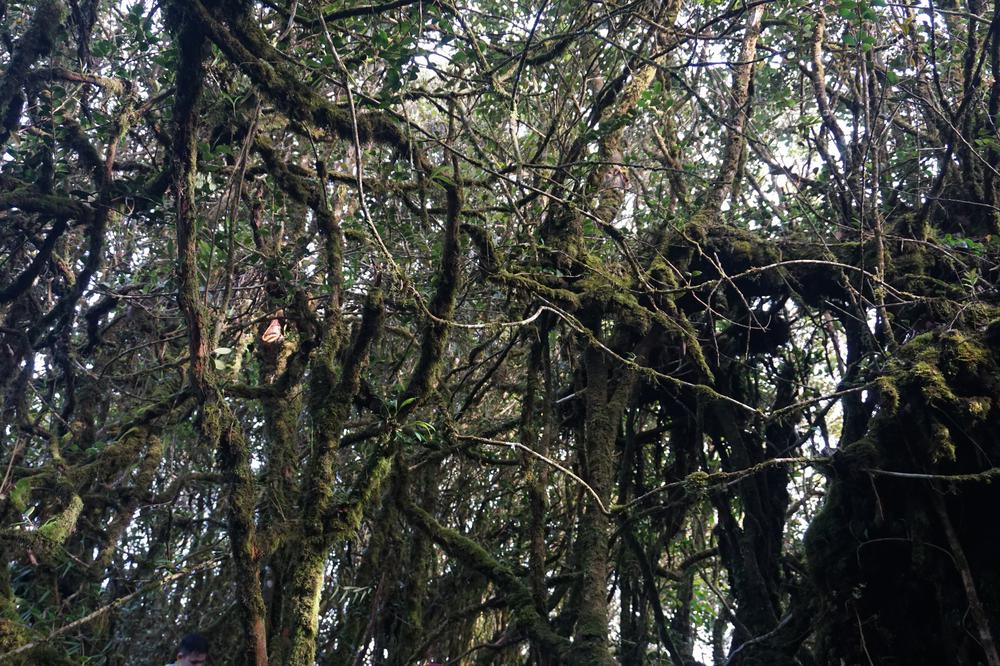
x=304 y=605
x=860 y=454
x=615 y=296
x=962 y=349
x=13 y=634
x=20 y=494
x=942 y=365
x=534 y=285
x=58 y=529
x=932 y=384
x=211 y=423
x=911 y=265
x=943 y=447
x=741 y=248
x=696 y=483
x=353 y=513
x=937 y=419
x=889 y=393
x=979 y=407
x=123 y=451
x=682 y=249
x=661 y=271
x=477 y=558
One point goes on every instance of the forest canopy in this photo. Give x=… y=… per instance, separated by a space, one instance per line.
x=511 y=332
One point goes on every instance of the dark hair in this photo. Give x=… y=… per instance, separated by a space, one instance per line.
x=193 y=643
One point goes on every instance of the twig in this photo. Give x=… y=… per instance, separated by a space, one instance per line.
x=759 y=639
x=703 y=479
x=979 y=615
x=545 y=459
x=986 y=475
x=120 y=601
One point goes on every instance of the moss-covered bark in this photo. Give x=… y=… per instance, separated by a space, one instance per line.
x=893 y=582
x=590 y=637
x=330 y=400
x=36 y=43
x=518 y=595
x=608 y=390
x=218 y=427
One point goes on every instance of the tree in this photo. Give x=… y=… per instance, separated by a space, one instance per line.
x=499 y=333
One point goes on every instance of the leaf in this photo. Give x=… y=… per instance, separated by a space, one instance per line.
x=222 y=351
x=273 y=332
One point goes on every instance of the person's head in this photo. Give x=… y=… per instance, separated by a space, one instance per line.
x=192 y=651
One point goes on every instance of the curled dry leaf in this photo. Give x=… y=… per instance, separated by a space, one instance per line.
x=273 y=332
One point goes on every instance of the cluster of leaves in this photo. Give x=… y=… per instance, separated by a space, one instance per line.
x=496 y=333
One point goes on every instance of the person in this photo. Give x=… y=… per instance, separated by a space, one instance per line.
x=192 y=651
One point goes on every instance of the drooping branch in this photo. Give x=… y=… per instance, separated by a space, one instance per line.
x=24 y=280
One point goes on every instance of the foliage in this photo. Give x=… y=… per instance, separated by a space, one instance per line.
x=499 y=332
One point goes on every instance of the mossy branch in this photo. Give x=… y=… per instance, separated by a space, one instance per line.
x=57 y=530
x=33 y=201
x=470 y=553
x=192 y=49
x=347 y=517
x=735 y=144
x=117 y=603
x=36 y=43
x=248 y=48
x=441 y=308
x=26 y=278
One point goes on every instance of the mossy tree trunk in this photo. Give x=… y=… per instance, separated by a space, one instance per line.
x=905 y=564
x=724 y=260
